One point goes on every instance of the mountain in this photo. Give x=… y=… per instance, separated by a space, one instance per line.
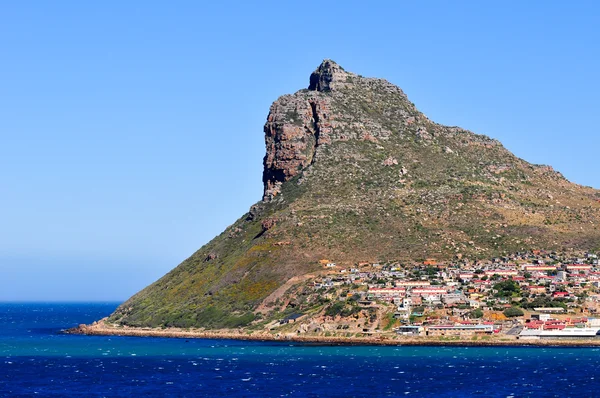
x=353 y=173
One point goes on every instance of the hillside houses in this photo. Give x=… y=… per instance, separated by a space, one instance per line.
x=528 y=280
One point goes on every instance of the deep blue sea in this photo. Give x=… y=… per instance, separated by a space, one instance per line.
x=37 y=360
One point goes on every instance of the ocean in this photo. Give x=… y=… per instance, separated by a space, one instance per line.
x=36 y=359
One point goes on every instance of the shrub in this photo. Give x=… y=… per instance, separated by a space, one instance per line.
x=513 y=312
x=507 y=288
x=335 y=309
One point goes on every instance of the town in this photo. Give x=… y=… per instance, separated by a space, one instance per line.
x=532 y=295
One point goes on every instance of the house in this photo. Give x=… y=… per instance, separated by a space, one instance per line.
x=561 y=276
x=465 y=276
x=474 y=304
x=290 y=318
x=410 y=330
x=536 y=289
x=453 y=298
x=554 y=324
x=402 y=313
x=432 y=300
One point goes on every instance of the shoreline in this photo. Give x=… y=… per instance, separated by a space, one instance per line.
x=101 y=329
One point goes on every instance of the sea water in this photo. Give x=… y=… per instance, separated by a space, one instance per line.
x=36 y=359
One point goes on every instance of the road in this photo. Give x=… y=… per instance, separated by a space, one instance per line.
x=515 y=331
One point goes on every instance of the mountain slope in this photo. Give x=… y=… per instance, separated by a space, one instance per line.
x=354 y=172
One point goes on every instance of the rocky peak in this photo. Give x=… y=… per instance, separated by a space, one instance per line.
x=328 y=76
x=338 y=106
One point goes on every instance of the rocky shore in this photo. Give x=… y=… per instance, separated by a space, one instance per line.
x=102 y=329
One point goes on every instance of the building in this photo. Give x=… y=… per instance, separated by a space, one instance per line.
x=502 y=272
x=576 y=268
x=540 y=268
x=453 y=298
x=458 y=330
x=387 y=292
x=465 y=276
x=561 y=276
x=412 y=283
x=550 y=310
x=568 y=333
x=410 y=330
x=429 y=291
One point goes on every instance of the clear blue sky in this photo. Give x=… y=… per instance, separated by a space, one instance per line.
x=131 y=134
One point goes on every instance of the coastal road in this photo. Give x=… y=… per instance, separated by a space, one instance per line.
x=515 y=331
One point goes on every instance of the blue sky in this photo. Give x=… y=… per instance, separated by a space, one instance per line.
x=131 y=134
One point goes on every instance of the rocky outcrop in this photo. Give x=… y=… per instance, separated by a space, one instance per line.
x=329 y=76
x=296 y=126
x=268 y=223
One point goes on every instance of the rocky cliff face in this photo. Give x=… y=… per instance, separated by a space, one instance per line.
x=354 y=172
x=298 y=124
